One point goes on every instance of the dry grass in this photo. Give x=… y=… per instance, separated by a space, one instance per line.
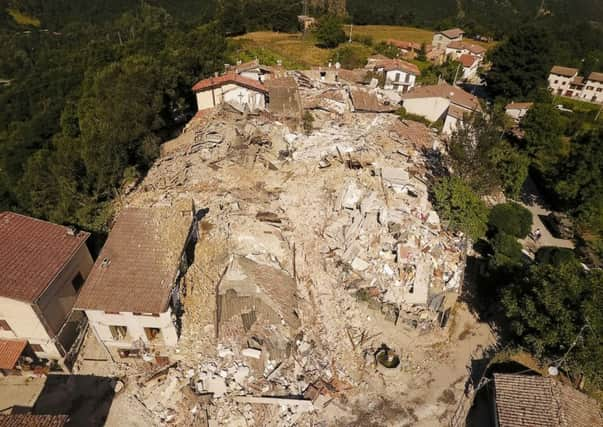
x=22 y=19
x=294 y=50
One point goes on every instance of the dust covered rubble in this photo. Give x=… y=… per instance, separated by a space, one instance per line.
x=343 y=211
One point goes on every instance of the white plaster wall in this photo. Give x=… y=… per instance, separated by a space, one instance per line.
x=517 y=113
x=237 y=94
x=100 y=322
x=589 y=93
x=450 y=124
x=469 y=72
x=563 y=83
x=205 y=99
x=26 y=325
x=390 y=80
x=430 y=108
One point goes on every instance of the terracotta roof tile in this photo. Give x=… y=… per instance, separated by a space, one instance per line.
x=564 y=71
x=32 y=253
x=596 y=77
x=10 y=351
x=473 y=48
x=444 y=90
x=452 y=33
x=402 y=44
x=228 y=78
x=397 y=64
x=467 y=60
x=137 y=267
x=535 y=401
x=26 y=420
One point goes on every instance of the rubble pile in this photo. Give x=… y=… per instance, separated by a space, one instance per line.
x=300 y=236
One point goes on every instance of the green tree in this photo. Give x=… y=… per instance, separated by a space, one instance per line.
x=548 y=307
x=511 y=219
x=511 y=167
x=543 y=128
x=350 y=56
x=520 y=64
x=422 y=53
x=507 y=251
x=457 y=203
x=329 y=32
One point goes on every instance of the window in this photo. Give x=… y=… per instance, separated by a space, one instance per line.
x=563 y=83
x=36 y=348
x=4 y=326
x=152 y=333
x=556 y=81
x=146 y=314
x=111 y=312
x=397 y=77
x=118 y=332
x=599 y=89
x=589 y=88
x=77 y=282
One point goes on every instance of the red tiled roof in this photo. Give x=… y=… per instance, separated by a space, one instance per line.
x=27 y=420
x=397 y=64
x=10 y=351
x=596 y=77
x=564 y=71
x=137 y=266
x=534 y=401
x=32 y=253
x=473 y=48
x=452 y=33
x=229 y=78
x=401 y=44
x=444 y=90
x=467 y=60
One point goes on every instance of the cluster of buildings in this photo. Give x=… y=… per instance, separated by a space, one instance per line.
x=565 y=81
x=51 y=290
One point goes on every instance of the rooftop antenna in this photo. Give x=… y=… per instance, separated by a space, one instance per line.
x=305 y=8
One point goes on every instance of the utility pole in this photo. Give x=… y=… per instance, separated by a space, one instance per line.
x=456 y=74
x=351 y=29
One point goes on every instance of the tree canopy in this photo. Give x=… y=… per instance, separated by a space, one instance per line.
x=329 y=32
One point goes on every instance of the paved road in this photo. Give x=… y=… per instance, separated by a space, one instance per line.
x=533 y=200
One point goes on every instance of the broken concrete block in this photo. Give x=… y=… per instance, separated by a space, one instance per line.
x=251 y=352
x=241 y=374
x=359 y=264
x=225 y=352
x=216 y=385
x=351 y=195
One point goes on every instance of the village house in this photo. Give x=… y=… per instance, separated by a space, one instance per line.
x=306 y=22
x=444 y=102
x=242 y=93
x=565 y=81
x=518 y=110
x=470 y=65
x=442 y=39
x=407 y=49
x=456 y=49
x=42 y=269
x=253 y=70
x=532 y=400
x=132 y=296
x=399 y=75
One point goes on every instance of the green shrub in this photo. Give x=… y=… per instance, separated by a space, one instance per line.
x=456 y=202
x=329 y=32
x=555 y=256
x=510 y=218
x=414 y=117
x=507 y=250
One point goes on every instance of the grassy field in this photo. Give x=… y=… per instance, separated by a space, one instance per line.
x=23 y=19
x=297 y=51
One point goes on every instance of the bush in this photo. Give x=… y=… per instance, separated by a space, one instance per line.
x=510 y=218
x=457 y=203
x=350 y=56
x=414 y=117
x=329 y=33
x=555 y=256
x=507 y=250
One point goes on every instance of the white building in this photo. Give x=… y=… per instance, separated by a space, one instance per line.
x=400 y=76
x=470 y=66
x=132 y=296
x=254 y=70
x=42 y=268
x=441 y=102
x=565 y=81
x=456 y=49
x=242 y=93
x=442 y=39
x=518 y=110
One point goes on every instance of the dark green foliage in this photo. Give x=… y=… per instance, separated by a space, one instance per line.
x=422 y=53
x=511 y=167
x=350 y=56
x=457 y=203
x=447 y=71
x=507 y=250
x=543 y=127
x=329 y=32
x=548 y=308
x=555 y=256
x=521 y=64
x=510 y=218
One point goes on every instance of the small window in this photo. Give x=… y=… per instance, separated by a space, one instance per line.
x=146 y=314
x=118 y=332
x=556 y=81
x=152 y=333
x=563 y=83
x=599 y=89
x=36 y=348
x=77 y=282
x=589 y=87
x=4 y=326
x=111 y=312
